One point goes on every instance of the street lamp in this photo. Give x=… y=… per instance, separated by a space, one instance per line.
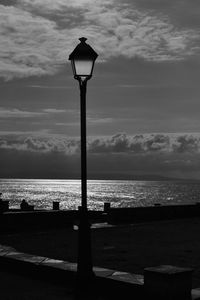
x=82 y=60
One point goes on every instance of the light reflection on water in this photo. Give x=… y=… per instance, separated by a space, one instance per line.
x=120 y=193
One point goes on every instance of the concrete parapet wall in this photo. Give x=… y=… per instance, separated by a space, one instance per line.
x=152 y=213
x=35 y=220
x=27 y=220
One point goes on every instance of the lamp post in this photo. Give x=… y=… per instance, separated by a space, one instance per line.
x=82 y=61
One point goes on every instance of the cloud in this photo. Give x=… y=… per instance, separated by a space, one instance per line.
x=17 y=113
x=67 y=124
x=48 y=6
x=30 y=45
x=187 y=143
x=182 y=13
x=54 y=110
x=96 y=120
x=119 y=143
x=63 y=87
x=176 y=155
x=40 y=145
x=37 y=36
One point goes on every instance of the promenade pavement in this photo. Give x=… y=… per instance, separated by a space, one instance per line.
x=18 y=287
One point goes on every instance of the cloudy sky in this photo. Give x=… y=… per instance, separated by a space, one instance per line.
x=143 y=102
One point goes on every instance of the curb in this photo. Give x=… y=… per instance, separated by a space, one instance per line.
x=110 y=283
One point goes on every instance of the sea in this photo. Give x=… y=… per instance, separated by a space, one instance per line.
x=120 y=193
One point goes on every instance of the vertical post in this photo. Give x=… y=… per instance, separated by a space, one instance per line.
x=83 y=87
x=85 y=275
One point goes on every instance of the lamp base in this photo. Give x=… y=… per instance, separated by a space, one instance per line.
x=85 y=280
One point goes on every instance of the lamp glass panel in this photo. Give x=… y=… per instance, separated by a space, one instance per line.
x=83 y=67
x=73 y=67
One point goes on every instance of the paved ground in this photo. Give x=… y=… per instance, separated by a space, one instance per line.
x=123 y=248
x=17 y=287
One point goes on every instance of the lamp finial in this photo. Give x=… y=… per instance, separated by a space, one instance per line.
x=83 y=39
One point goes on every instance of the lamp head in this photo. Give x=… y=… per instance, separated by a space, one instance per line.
x=82 y=59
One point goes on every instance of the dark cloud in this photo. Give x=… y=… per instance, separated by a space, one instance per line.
x=187 y=144
x=116 y=144
x=119 y=156
x=122 y=143
x=41 y=145
x=158 y=142
x=119 y=143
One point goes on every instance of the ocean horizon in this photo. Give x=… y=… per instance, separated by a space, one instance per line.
x=120 y=193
